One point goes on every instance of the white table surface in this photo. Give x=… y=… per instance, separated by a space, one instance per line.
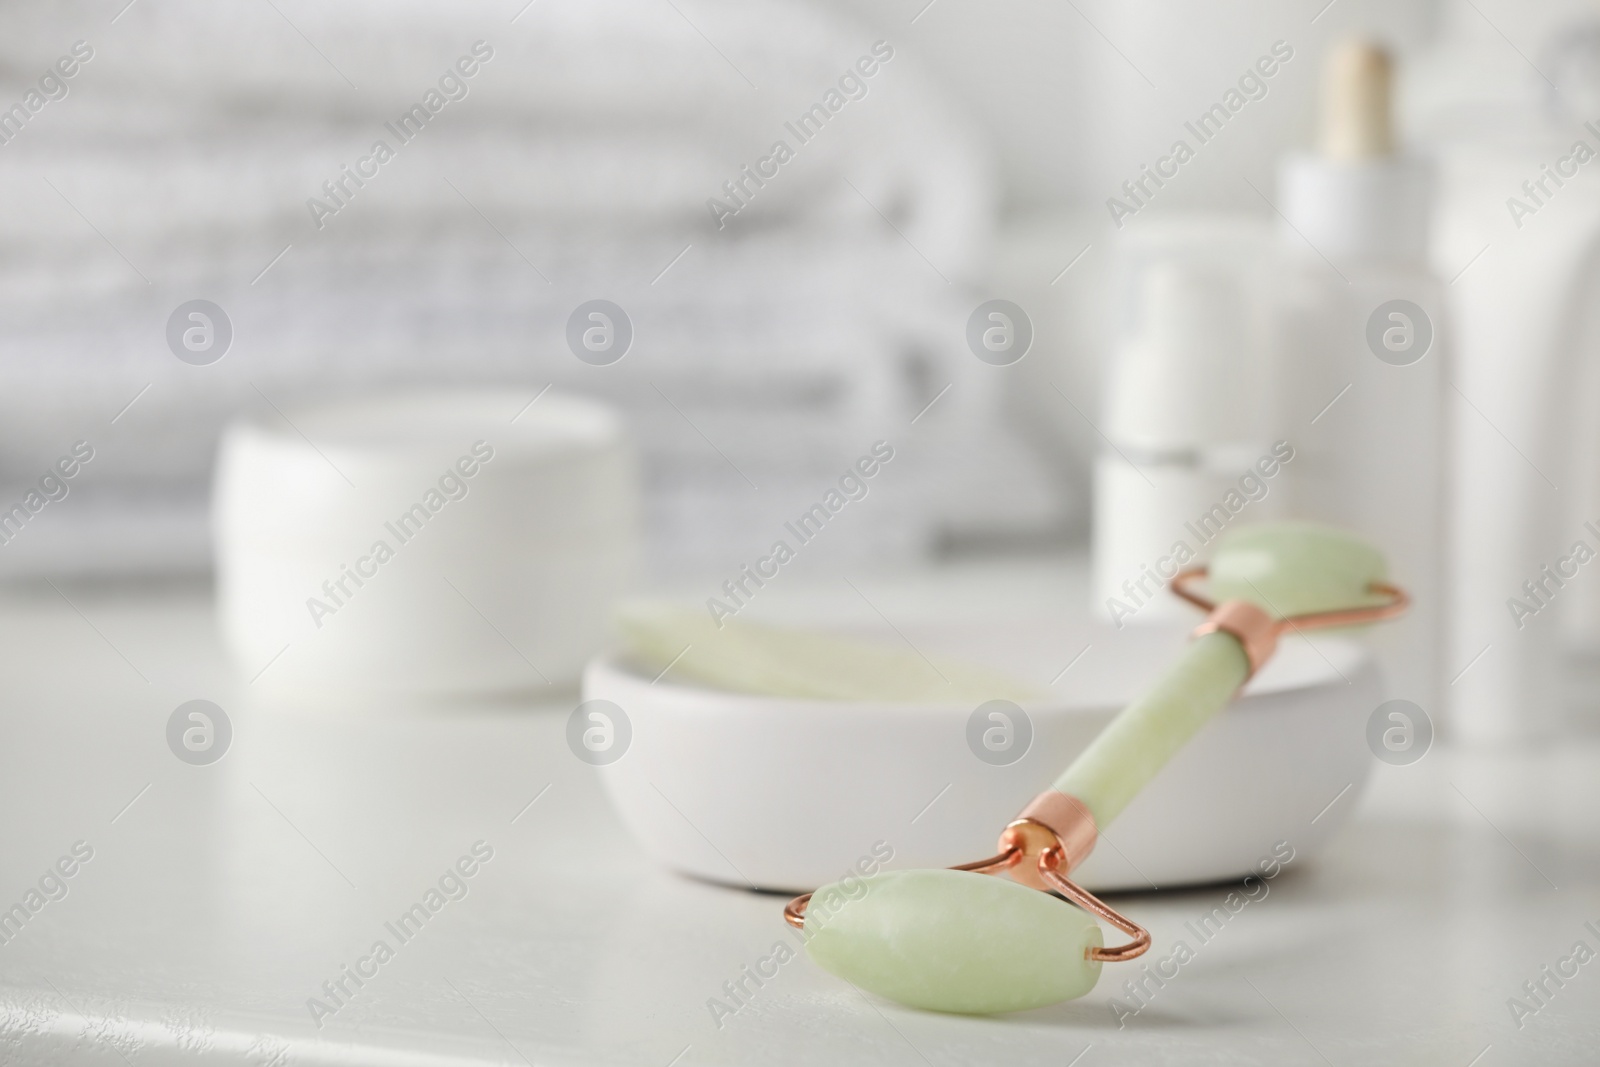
x=220 y=898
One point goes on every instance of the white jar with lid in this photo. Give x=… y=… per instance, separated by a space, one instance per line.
x=423 y=542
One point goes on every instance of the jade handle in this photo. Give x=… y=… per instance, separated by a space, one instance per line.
x=1144 y=735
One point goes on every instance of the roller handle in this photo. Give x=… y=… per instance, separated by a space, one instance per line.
x=1145 y=735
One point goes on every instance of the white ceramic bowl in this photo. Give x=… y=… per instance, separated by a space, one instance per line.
x=789 y=794
x=507 y=541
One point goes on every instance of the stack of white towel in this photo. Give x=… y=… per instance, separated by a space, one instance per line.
x=578 y=164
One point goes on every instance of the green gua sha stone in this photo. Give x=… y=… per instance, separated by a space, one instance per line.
x=953 y=941
x=1295 y=568
x=748 y=657
x=1285 y=568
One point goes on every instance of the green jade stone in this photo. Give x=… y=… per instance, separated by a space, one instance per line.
x=953 y=941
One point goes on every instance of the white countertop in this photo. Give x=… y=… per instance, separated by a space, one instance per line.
x=220 y=898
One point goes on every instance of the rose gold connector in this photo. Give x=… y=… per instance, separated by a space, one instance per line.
x=1051 y=820
x=1255 y=630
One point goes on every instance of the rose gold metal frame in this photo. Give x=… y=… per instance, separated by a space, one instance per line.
x=1260 y=632
x=1101 y=910
x=1396 y=605
x=1056 y=831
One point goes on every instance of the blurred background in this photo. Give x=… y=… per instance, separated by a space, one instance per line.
x=392 y=392
x=984 y=158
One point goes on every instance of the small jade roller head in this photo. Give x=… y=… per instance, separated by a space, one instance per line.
x=963 y=941
x=1297 y=568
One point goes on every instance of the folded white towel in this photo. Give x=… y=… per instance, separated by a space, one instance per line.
x=580 y=162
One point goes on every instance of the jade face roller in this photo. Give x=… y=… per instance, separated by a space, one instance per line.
x=952 y=940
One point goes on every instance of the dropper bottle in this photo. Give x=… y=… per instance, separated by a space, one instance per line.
x=1362 y=344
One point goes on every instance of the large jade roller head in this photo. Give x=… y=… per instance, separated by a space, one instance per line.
x=958 y=941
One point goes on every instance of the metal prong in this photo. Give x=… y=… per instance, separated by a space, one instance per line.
x=1098 y=908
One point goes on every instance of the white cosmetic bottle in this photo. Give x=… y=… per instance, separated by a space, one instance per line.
x=1363 y=353
x=1519 y=234
x=1189 y=449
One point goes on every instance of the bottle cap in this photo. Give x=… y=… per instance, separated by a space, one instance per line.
x=1357 y=121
